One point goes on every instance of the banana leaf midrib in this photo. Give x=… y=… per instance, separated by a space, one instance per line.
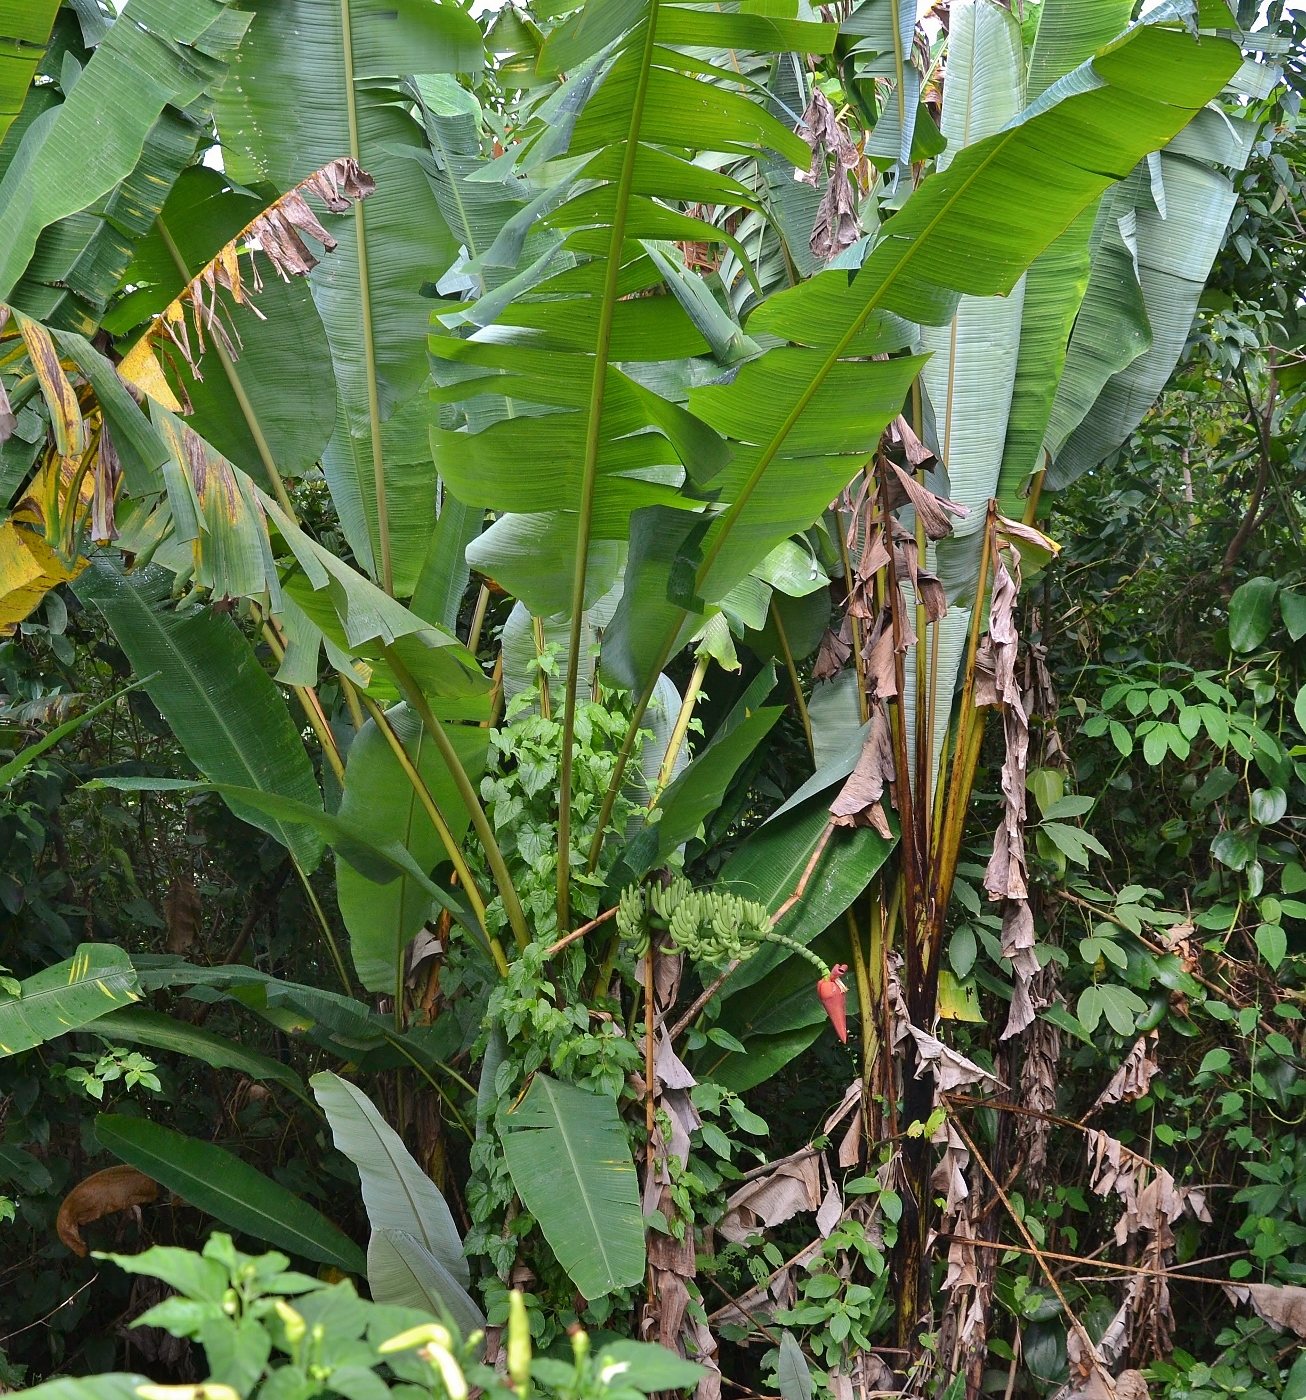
x=589 y=469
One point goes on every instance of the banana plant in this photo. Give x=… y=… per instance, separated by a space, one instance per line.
x=514 y=333
x=1015 y=401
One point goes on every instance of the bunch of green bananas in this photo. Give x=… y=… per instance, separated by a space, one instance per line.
x=706 y=925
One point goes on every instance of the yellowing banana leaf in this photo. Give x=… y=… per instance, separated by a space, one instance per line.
x=29 y=569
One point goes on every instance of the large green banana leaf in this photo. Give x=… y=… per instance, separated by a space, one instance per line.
x=97 y=979
x=24 y=30
x=611 y=443
x=476 y=210
x=160 y=56
x=1069 y=32
x=570 y=1162
x=418 y=1258
x=291 y=106
x=220 y=703
x=972 y=367
x=381 y=919
x=219 y=1183
x=134 y=1025
x=812 y=410
x=699 y=789
x=401 y=1271
x=1159 y=236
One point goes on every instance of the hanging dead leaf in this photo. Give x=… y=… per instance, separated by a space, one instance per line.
x=1018 y=945
x=181 y=909
x=792 y=1185
x=824 y=136
x=951 y=1070
x=836 y=226
x=949 y=1176
x=102 y=1193
x=902 y=434
x=1135 y=1074
x=1038 y=1075
x=1281 y=1305
x=932 y=509
x=850 y=1108
x=860 y=800
x=831 y=1209
x=833 y=653
x=881 y=667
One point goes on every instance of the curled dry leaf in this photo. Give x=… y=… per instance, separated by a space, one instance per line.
x=932 y=509
x=1152 y=1198
x=792 y=1185
x=880 y=670
x=861 y=799
x=1136 y=1072
x=949 y=1176
x=1038 y=1075
x=928 y=586
x=1089 y=1365
x=836 y=226
x=1281 y=1305
x=1005 y=874
x=850 y=1108
x=1128 y=1385
x=1004 y=877
x=102 y=1193
x=833 y=654
x=831 y=1208
x=1018 y=945
x=902 y=434
x=951 y=1070
x=278 y=233
x=1180 y=941
x=824 y=136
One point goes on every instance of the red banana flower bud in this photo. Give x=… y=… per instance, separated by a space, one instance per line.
x=832 y=991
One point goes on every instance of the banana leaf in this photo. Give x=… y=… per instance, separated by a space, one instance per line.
x=220 y=1184
x=570 y=1162
x=158 y=57
x=96 y=980
x=24 y=31
x=292 y=106
x=221 y=704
